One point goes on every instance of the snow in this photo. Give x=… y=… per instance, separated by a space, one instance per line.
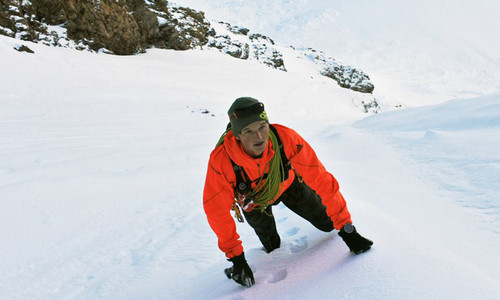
x=162 y=21
x=103 y=159
x=416 y=52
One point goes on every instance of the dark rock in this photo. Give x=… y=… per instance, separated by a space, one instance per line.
x=249 y=46
x=147 y=22
x=226 y=45
x=370 y=106
x=7 y=24
x=350 y=78
x=106 y=24
x=187 y=31
x=259 y=38
x=120 y=26
x=49 y=11
x=346 y=76
x=24 y=48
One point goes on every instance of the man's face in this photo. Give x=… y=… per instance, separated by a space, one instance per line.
x=254 y=138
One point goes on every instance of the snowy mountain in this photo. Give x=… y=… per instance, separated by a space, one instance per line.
x=416 y=52
x=103 y=160
x=126 y=27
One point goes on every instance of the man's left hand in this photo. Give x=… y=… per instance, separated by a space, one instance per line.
x=355 y=241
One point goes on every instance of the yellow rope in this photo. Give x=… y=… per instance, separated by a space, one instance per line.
x=265 y=192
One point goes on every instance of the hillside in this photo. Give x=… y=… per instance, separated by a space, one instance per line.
x=416 y=52
x=103 y=160
x=129 y=27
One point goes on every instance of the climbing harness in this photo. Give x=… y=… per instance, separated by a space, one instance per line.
x=265 y=191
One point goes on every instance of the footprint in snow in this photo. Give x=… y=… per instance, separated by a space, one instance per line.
x=282 y=219
x=293 y=231
x=298 y=245
x=278 y=276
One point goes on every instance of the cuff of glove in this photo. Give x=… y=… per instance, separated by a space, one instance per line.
x=352 y=231
x=240 y=259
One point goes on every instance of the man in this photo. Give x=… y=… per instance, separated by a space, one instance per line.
x=257 y=165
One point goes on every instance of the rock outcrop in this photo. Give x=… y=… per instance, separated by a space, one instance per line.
x=126 y=27
x=239 y=43
x=121 y=27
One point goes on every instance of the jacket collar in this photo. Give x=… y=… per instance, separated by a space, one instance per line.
x=236 y=152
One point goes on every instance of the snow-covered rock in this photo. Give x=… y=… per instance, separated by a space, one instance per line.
x=129 y=27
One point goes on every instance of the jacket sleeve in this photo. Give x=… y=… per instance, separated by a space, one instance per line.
x=218 y=197
x=306 y=163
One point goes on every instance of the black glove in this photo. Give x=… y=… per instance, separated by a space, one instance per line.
x=240 y=271
x=355 y=241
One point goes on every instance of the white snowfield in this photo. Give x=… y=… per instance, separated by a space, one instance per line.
x=103 y=161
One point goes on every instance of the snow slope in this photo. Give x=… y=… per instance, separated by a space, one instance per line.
x=416 y=52
x=102 y=165
x=102 y=168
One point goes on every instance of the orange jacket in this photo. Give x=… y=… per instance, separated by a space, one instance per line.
x=218 y=195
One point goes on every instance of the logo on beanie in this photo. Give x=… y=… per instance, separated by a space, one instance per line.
x=263 y=115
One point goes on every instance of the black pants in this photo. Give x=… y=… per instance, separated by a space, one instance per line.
x=299 y=198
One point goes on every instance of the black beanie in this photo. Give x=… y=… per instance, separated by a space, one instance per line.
x=244 y=111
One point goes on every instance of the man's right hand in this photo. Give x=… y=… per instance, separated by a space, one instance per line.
x=240 y=271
